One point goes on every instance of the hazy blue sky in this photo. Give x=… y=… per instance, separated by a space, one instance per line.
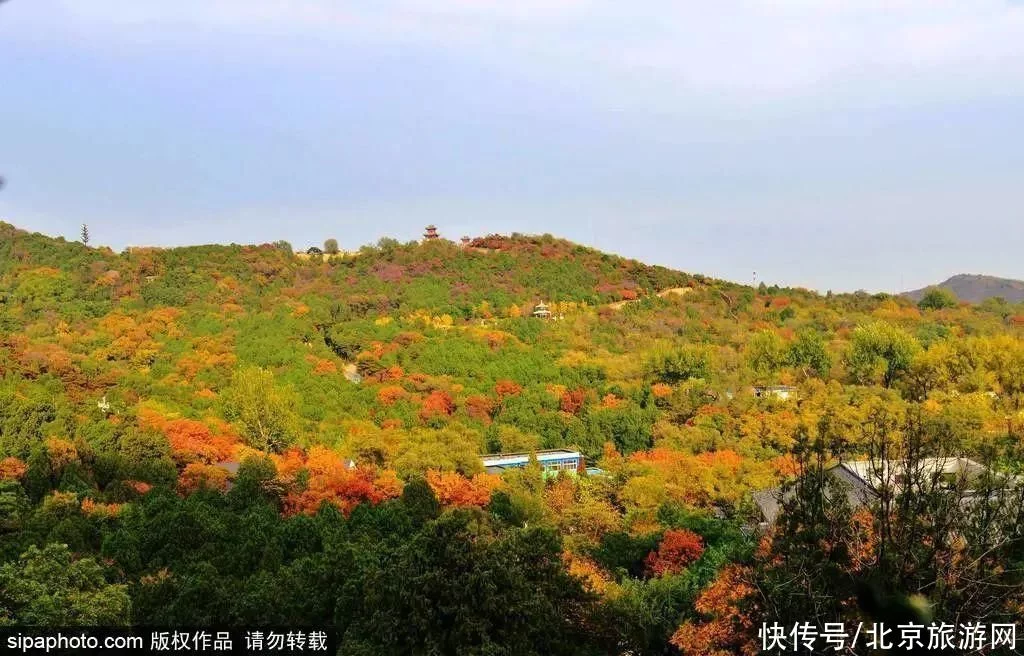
x=873 y=144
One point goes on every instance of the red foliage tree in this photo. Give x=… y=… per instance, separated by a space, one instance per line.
x=572 y=401
x=480 y=407
x=505 y=388
x=678 y=549
x=437 y=404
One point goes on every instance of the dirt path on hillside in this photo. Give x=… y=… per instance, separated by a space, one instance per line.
x=672 y=291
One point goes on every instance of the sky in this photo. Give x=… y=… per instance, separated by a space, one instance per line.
x=843 y=145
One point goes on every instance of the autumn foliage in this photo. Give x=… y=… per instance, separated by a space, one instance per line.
x=454 y=489
x=727 y=626
x=593 y=577
x=197 y=476
x=390 y=394
x=661 y=390
x=194 y=442
x=119 y=374
x=697 y=479
x=480 y=407
x=12 y=468
x=505 y=388
x=679 y=548
x=330 y=479
x=437 y=404
x=324 y=367
x=572 y=401
x=100 y=510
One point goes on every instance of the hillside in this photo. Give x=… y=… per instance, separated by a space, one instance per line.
x=977 y=288
x=437 y=276
x=241 y=435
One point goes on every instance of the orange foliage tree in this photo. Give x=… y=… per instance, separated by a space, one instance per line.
x=506 y=388
x=454 y=489
x=12 y=468
x=324 y=367
x=661 y=390
x=100 y=510
x=727 y=627
x=389 y=394
x=193 y=441
x=332 y=481
x=611 y=401
x=593 y=577
x=61 y=452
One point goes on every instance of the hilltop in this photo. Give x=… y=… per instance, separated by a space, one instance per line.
x=437 y=276
x=975 y=288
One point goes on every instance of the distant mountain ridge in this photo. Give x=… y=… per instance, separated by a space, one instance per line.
x=975 y=288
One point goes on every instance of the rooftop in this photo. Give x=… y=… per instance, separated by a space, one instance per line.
x=861 y=480
x=881 y=470
x=543 y=454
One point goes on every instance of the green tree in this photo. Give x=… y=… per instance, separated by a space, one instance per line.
x=937 y=298
x=255 y=483
x=630 y=428
x=766 y=352
x=689 y=361
x=420 y=500
x=881 y=352
x=47 y=587
x=453 y=590
x=331 y=246
x=808 y=352
x=13 y=506
x=265 y=411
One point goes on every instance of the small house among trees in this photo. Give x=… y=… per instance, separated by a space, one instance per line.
x=551 y=460
x=782 y=392
x=541 y=311
x=431 y=233
x=863 y=481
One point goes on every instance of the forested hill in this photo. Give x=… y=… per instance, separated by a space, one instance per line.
x=250 y=435
x=487 y=277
